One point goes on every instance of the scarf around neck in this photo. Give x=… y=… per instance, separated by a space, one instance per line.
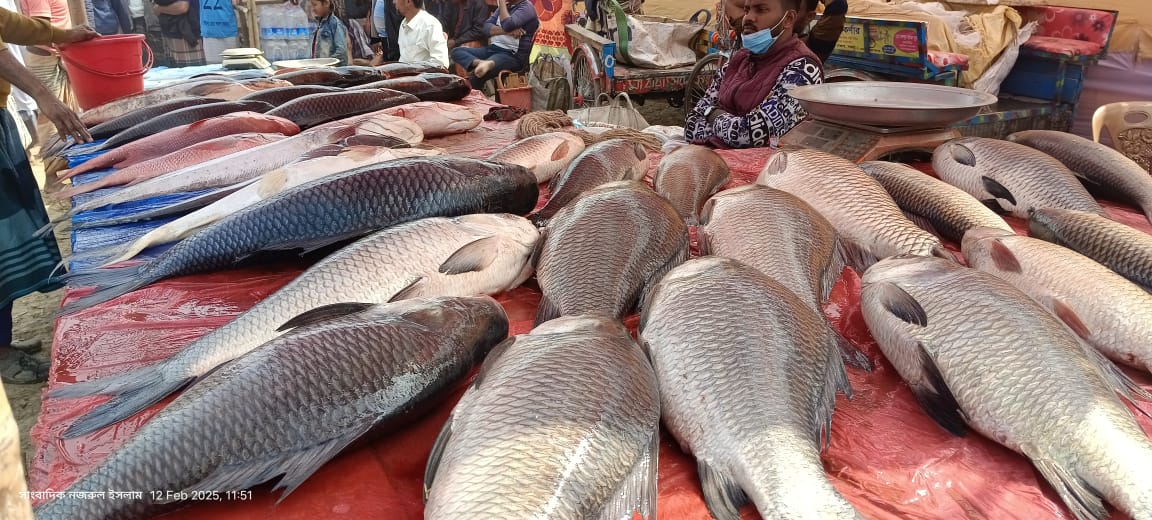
x=750 y=78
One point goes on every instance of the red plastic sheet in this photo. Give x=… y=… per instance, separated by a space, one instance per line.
x=887 y=457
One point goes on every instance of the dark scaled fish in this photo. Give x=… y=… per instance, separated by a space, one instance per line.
x=427 y=86
x=284 y=410
x=143 y=115
x=400 y=69
x=332 y=77
x=606 y=161
x=1122 y=249
x=182 y=116
x=317 y=109
x=279 y=96
x=327 y=211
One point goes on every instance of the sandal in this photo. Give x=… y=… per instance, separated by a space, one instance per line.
x=30 y=346
x=22 y=369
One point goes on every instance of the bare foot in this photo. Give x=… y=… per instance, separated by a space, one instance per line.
x=483 y=68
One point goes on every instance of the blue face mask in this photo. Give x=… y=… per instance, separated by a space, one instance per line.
x=760 y=41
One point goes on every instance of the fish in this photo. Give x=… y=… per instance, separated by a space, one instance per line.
x=145 y=114
x=333 y=77
x=688 y=176
x=1104 y=171
x=280 y=95
x=216 y=88
x=545 y=154
x=437 y=119
x=562 y=422
x=287 y=408
x=426 y=86
x=183 y=136
x=1106 y=310
x=319 y=163
x=237 y=76
x=352 y=203
x=317 y=109
x=869 y=223
x=777 y=233
x=606 y=249
x=400 y=69
x=604 y=162
x=934 y=205
x=1010 y=178
x=1124 y=250
x=472 y=254
x=183 y=158
x=978 y=353
x=751 y=399
x=245 y=165
x=180 y=117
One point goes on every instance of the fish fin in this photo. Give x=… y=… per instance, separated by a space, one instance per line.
x=856 y=255
x=997 y=190
x=706 y=211
x=703 y=240
x=1116 y=378
x=323 y=313
x=722 y=495
x=437 y=453
x=637 y=491
x=935 y=397
x=962 y=154
x=561 y=151
x=1004 y=258
x=409 y=291
x=922 y=222
x=293 y=466
x=545 y=310
x=835 y=379
x=386 y=141
x=995 y=206
x=833 y=271
x=534 y=258
x=1077 y=494
x=133 y=392
x=849 y=354
x=679 y=257
x=328 y=150
x=473 y=256
x=1070 y=318
x=490 y=360
x=111 y=283
x=902 y=305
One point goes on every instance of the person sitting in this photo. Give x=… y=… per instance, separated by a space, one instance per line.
x=331 y=37
x=463 y=20
x=512 y=28
x=822 y=38
x=421 y=37
x=748 y=104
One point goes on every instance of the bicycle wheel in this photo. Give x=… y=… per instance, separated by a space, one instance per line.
x=701 y=78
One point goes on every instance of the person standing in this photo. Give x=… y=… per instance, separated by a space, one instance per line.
x=26 y=262
x=421 y=37
x=330 y=40
x=180 y=26
x=512 y=29
x=110 y=16
x=43 y=60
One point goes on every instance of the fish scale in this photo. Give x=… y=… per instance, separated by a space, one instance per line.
x=280 y=95
x=1016 y=373
x=545 y=154
x=143 y=115
x=374 y=269
x=863 y=213
x=283 y=399
x=555 y=427
x=750 y=399
x=601 y=251
x=1031 y=178
x=1126 y=251
x=180 y=117
x=315 y=109
x=607 y=161
x=688 y=176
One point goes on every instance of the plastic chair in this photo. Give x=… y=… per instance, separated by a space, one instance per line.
x=1129 y=124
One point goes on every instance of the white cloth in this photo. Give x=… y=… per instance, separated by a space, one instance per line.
x=504 y=41
x=136 y=8
x=422 y=39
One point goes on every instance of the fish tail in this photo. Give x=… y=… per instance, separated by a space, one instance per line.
x=133 y=392
x=109 y=283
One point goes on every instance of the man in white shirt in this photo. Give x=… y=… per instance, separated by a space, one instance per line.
x=421 y=37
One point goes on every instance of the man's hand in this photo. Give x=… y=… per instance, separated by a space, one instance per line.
x=517 y=33
x=451 y=43
x=66 y=121
x=715 y=113
x=79 y=33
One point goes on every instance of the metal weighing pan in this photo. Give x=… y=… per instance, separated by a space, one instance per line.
x=890 y=104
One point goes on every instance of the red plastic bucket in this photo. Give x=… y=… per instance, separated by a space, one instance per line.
x=106 y=68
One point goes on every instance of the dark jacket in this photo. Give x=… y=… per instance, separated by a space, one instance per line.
x=463 y=20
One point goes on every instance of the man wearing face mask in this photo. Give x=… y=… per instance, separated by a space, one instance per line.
x=748 y=104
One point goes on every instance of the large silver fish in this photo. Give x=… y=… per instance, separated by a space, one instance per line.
x=688 y=176
x=865 y=216
x=751 y=399
x=468 y=255
x=1103 y=170
x=287 y=408
x=936 y=206
x=604 y=250
x=777 y=233
x=977 y=351
x=604 y=162
x=1126 y=251
x=561 y=423
x=544 y=154
x=1010 y=178
x=1109 y=312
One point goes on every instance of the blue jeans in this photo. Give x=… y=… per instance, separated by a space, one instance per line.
x=503 y=58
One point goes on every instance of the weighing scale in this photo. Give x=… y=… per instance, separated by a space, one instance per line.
x=866 y=120
x=243 y=59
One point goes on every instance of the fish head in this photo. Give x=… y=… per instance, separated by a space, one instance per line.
x=974 y=237
x=265 y=83
x=640 y=169
x=478 y=320
x=584 y=323
x=717 y=204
